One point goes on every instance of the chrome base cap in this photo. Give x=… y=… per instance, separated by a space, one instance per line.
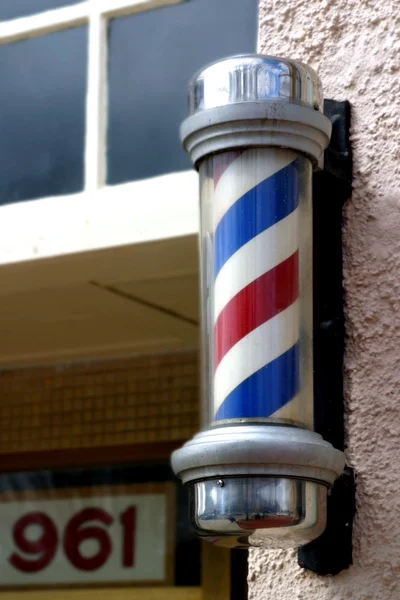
x=273 y=512
x=258 y=484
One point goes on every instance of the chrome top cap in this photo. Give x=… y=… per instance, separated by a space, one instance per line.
x=254 y=78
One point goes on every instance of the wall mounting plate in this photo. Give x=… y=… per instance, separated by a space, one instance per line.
x=332 y=551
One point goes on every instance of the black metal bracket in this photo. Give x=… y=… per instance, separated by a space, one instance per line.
x=332 y=551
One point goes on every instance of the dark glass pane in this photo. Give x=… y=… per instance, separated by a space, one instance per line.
x=152 y=57
x=12 y=9
x=42 y=116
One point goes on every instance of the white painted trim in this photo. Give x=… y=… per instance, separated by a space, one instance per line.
x=44 y=22
x=96 y=101
x=141 y=211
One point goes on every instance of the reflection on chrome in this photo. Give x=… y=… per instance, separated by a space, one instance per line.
x=254 y=510
x=254 y=78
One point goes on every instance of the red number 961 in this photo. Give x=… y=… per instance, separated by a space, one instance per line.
x=87 y=524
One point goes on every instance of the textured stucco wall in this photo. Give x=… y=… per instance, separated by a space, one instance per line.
x=355 y=47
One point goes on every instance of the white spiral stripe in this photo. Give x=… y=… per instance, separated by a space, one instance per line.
x=245 y=173
x=261 y=254
x=261 y=346
x=286 y=411
x=299 y=408
x=296 y=410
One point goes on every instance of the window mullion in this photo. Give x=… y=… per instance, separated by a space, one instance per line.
x=96 y=102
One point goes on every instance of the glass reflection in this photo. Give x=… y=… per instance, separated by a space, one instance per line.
x=152 y=57
x=42 y=117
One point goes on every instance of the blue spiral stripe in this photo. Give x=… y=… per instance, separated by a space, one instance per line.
x=266 y=391
x=261 y=207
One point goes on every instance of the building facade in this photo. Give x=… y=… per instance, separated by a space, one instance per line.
x=354 y=48
x=99 y=295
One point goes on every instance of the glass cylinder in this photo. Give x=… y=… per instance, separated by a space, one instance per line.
x=256 y=285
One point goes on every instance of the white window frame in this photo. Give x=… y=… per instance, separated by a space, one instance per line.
x=100 y=216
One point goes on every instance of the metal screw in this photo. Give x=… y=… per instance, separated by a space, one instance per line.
x=220 y=483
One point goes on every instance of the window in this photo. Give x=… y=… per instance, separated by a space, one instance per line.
x=152 y=56
x=95 y=94
x=42 y=117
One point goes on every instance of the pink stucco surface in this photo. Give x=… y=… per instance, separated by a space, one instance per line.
x=355 y=47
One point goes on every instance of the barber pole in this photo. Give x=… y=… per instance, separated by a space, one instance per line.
x=257 y=474
x=256 y=269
